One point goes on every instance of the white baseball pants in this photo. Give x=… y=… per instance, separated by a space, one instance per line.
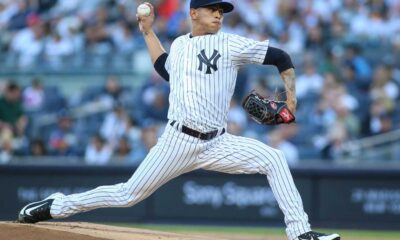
x=177 y=153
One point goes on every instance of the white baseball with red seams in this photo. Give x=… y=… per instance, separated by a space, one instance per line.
x=144 y=9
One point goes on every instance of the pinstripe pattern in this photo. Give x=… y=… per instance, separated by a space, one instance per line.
x=199 y=99
x=240 y=155
x=168 y=159
x=177 y=153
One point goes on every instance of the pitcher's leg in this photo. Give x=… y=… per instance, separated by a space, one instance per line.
x=287 y=195
x=164 y=162
x=236 y=155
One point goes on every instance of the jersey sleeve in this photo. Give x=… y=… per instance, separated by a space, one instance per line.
x=168 y=64
x=247 y=51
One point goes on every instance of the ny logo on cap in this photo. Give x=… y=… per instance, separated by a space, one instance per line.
x=210 y=62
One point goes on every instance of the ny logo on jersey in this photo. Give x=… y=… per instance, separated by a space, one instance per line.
x=210 y=62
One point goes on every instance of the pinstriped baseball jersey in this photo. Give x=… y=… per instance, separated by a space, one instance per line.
x=203 y=73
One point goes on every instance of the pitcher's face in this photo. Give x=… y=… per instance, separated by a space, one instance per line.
x=209 y=18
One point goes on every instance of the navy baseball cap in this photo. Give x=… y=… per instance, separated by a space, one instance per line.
x=225 y=5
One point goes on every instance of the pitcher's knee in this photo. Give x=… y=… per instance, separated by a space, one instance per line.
x=281 y=155
x=277 y=158
x=132 y=197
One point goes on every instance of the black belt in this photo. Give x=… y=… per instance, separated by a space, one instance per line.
x=197 y=134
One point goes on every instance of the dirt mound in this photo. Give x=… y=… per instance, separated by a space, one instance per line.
x=84 y=231
x=89 y=231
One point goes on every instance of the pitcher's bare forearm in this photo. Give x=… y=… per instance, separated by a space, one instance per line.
x=288 y=77
x=283 y=62
x=152 y=41
x=154 y=45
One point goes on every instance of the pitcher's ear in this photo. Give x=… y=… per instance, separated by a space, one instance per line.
x=193 y=13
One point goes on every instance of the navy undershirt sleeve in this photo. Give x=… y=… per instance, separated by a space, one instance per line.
x=159 y=65
x=279 y=58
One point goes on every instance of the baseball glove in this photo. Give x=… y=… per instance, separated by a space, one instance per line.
x=266 y=111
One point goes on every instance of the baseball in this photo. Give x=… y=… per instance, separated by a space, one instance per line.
x=143 y=10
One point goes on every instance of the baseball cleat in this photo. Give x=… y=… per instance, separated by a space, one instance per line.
x=37 y=211
x=318 y=236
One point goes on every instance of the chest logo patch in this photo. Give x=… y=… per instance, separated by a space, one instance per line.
x=210 y=63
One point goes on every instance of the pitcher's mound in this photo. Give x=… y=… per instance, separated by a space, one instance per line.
x=83 y=231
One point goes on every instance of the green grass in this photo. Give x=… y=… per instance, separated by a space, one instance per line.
x=367 y=233
x=262 y=231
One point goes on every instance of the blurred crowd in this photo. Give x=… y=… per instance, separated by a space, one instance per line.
x=52 y=33
x=346 y=53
